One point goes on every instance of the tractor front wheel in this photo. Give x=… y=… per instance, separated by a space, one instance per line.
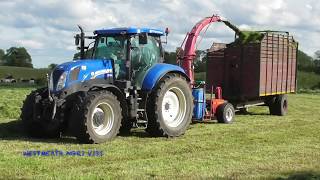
x=35 y=116
x=170 y=107
x=98 y=118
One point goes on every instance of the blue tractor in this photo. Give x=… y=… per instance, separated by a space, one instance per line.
x=119 y=82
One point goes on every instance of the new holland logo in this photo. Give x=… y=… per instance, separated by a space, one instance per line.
x=100 y=72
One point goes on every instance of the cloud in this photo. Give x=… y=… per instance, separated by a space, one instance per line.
x=46 y=28
x=30 y=44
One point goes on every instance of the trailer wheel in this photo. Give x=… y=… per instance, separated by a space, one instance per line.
x=225 y=113
x=280 y=106
x=36 y=125
x=170 y=106
x=270 y=102
x=99 y=118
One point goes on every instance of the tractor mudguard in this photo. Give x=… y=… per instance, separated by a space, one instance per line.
x=156 y=72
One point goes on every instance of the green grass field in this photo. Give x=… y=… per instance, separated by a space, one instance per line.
x=256 y=146
x=22 y=72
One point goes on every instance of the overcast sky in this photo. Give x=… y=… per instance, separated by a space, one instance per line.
x=46 y=27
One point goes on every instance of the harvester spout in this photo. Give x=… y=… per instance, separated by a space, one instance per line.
x=231 y=26
x=190 y=45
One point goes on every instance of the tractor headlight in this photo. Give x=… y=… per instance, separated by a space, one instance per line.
x=62 y=81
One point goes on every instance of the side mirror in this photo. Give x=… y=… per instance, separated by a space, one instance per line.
x=143 y=38
x=77 y=39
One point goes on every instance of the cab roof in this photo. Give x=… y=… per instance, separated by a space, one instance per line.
x=129 y=30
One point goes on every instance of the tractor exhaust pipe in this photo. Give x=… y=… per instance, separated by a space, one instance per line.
x=79 y=39
x=81 y=43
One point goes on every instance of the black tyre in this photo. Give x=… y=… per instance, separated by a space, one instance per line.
x=36 y=118
x=98 y=118
x=225 y=113
x=271 y=104
x=280 y=105
x=170 y=106
x=126 y=126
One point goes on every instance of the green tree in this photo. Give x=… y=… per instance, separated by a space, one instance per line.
x=88 y=54
x=317 y=62
x=200 y=62
x=305 y=62
x=18 y=56
x=170 y=57
x=52 y=66
x=2 y=56
x=317 y=54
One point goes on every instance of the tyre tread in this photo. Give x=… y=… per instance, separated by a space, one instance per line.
x=154 y=127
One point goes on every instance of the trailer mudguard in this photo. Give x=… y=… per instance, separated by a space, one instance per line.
x=157 y=71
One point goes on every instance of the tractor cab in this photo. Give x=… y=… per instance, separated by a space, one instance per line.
x=132 y=50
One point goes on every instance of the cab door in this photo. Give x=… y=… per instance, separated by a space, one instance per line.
x=144 y=56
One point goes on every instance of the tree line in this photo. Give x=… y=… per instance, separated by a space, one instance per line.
x=304 y=62
x=19 y=56
x=16 y=56
x=307 y=63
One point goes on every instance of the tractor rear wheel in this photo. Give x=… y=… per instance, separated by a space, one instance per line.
x=32 y=116
x=170 y=106
x=98 y=118
x=225 y=113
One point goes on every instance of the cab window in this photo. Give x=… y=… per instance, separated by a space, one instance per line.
x=115 y=48
x=143 y=56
